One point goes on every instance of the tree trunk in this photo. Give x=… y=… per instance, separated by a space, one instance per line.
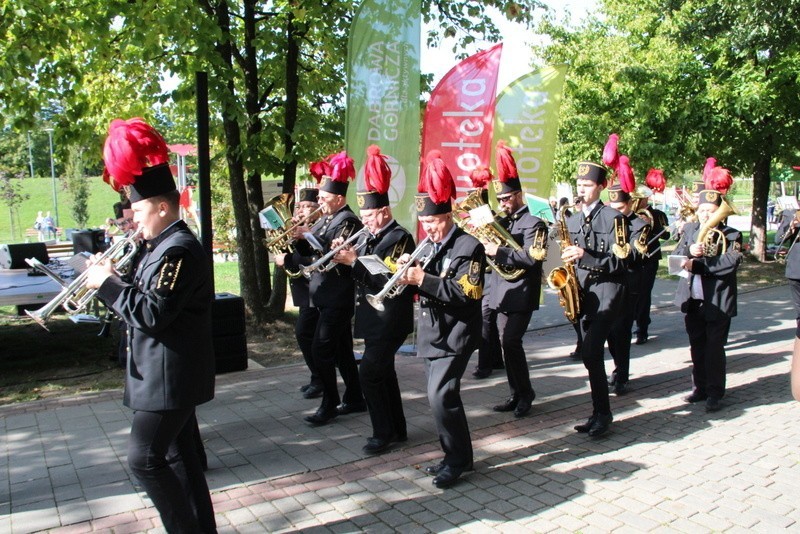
x=761 y=180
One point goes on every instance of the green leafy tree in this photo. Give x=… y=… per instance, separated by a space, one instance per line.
x=77 y=186
x=12 y=196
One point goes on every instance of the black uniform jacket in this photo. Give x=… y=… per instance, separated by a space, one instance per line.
x=718 y=274
x=633 y=272
x=168 y=311
x=784 y=234
x=334 y=288
x=397 y=317
x=660 y=222
x=299 y=288
x=600 y=271
x=450 y=299
x=523 y=294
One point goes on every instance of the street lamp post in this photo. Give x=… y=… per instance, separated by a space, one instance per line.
x=53 y=174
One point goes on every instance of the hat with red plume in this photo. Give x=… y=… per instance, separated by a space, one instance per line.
x=342 y=171
x=621 y=191
x=507 y=174
x=610 y=153
x=377 y=177
x=137 y=158
x=719 y=179
x=480 y=177
x=593 y=172
x=655 y=180
x=436 y=187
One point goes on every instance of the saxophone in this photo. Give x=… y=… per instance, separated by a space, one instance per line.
x=563 y=279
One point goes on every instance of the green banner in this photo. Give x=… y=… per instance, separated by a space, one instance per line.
x=526 y=117
x=383 y=97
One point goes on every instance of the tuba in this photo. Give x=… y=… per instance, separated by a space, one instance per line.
x=492 y=232
x=563 y=279
x=277 y=213
x=714 y=240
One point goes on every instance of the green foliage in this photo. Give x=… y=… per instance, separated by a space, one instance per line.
x=77 y=185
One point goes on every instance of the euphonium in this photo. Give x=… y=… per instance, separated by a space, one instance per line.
x=563 y=279
x=492 y=232
x=75 y=296
x=281 y=241
x=708 y=235
x=639 y=207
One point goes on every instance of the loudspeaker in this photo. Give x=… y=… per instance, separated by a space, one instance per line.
x=91 y=241
x=229 y=333
x=13 y=256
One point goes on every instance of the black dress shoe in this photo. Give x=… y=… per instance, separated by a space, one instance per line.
x=696 y=396
x=584 y=427
x=314 y=391
x=447 y=476
x=482 y=373
x=376 y=446
x=601 y=424
x=350 y=407
x=435 y=469
x=713 y=404
x=641 y=337
x=576 y=354
x=621 y=387
x=321 y=417
x=304 y=388
x=524 y=405
x=508 y=406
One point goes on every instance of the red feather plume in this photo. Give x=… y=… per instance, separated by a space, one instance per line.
x=131 y=146
x=506 y=166
x=436 y=179
x=719 y=179
x=655 y=180
x=377 y=174
x=342 y=167
x=318 y=169
x=610 y=151
x=480 y=176
x=627 y=181
x=710 y=164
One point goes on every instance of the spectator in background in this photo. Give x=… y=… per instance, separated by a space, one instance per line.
x=39 y=225
x=50 y=226
x=770 y=211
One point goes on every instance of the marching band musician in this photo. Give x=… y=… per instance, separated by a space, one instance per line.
x=707 y=295
x=308 y=315
x=515 y=300
x=650 y=262
x=383 y=331
x=787 y=232
x=600 y=251
x=167 y=305
x=450 y=287
x=332 y=292
x=619 y=339
x=490 y=354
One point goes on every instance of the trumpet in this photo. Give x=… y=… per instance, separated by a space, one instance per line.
x=75 y=296
x=324 y=264
x=392 y=288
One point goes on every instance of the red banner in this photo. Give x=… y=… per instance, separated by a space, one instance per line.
x=460 y=114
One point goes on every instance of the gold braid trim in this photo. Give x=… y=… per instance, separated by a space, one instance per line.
x=538 y=250
x=470 y=290
x=621 y=248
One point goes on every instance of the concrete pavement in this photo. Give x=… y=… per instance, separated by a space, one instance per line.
x=665 y=466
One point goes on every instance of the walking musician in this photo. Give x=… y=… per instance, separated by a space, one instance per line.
x=516 y=278
x=599 y=250
x=707 y=290
x=450 y=285
x=384 y=330
x=331 y=289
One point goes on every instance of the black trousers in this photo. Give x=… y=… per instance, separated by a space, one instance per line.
x=707 y=341
x=304 y=330
x=162 y=454
x=511 y=327
x=794 y=287
x=619 y=338
x=595 y=331
x=490 y=354
x=332 y=347
x=444 y=396
x=648 y=280
x=381 y=389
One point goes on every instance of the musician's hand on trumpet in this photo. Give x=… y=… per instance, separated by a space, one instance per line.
x=346 y=255
x=98 y=270
x=414 y=275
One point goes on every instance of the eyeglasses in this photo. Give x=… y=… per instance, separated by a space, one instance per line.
x=506 y=198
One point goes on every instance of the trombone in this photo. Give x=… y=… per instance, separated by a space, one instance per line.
x=391 y=288
x=75 y=296
x=324 y=264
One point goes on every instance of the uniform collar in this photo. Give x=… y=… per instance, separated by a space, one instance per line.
x=168 y=231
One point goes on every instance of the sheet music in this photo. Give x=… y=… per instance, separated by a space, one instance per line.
x=374 y=264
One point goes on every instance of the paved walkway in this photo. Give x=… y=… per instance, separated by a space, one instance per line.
x=665 y=466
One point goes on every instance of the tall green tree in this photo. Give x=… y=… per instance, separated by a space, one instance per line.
x=682 y=81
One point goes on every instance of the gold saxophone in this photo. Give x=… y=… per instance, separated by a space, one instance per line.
x=490 y=233
x=713 y=239
x=563 y=279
